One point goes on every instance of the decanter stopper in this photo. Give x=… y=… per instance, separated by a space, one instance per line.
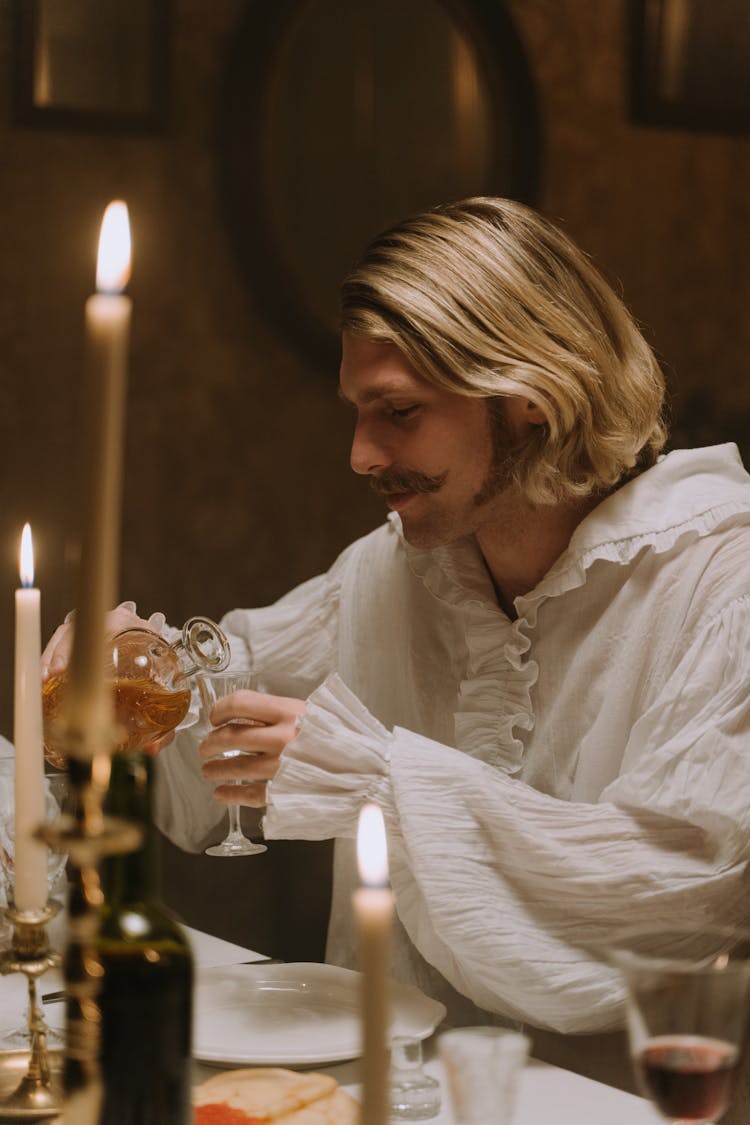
x=203 y=647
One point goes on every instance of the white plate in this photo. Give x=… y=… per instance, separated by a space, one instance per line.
x=304 y=1014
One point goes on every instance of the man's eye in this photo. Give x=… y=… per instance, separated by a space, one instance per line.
x=403 y=411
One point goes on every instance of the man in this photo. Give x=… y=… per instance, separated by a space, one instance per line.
x=538 y=667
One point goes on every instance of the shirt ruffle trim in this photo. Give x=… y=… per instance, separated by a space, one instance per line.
x=569 y=572
x=494 y=697
x=354 y=769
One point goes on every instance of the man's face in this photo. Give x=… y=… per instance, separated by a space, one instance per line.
x=439 y=459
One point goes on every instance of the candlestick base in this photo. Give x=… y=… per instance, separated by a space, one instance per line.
x=14 y=1070
x=38 y=1094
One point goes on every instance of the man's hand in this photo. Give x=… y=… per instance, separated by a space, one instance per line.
x=56 y=655
x=260 y=726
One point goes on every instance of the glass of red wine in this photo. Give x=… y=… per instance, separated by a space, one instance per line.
x=687 y=1013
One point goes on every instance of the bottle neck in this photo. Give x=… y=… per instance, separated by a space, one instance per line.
x=135 y=876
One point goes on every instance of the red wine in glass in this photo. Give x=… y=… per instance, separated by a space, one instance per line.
x=689 y=1077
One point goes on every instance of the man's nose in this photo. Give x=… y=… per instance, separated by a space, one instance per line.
x=368 y=455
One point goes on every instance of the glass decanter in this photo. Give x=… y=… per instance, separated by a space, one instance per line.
x=150 y=684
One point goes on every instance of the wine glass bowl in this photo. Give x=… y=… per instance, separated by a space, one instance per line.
x=213 y=686
x=686 y=1006
x=57 y=797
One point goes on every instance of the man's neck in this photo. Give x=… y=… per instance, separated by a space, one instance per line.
x=520 y=550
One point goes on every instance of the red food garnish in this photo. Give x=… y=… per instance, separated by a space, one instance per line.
x=219 y=1113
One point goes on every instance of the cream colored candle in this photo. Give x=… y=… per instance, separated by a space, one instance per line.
x=373 y=907
x=88 y=705
x=30 y=866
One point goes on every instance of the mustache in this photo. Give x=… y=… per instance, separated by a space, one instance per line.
x=406 y=480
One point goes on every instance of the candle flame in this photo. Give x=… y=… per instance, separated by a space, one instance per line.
x=26 y=557
x=372 y=853
x=113 y=262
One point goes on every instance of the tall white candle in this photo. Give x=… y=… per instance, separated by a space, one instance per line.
x=30 y=874
x=88 y=704
x=373 y=907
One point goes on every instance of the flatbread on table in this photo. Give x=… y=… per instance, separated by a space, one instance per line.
x=275 y=1096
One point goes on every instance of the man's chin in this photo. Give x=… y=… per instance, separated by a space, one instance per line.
x=426 y=536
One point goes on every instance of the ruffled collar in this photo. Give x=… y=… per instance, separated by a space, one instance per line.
x=688 y=493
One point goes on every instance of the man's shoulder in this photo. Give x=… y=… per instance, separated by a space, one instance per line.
x=686 y=492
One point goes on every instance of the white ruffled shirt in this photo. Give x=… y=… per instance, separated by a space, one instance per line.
x=545 y=781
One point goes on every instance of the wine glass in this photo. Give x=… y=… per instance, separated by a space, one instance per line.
x=687 y=998
x=57 y=793
x=213 y=686
x=57 y=798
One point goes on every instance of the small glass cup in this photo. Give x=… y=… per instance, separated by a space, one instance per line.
x=482 y=1067
x=415 y=1095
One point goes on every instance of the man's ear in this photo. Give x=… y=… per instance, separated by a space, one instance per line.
x=522 y=413
x=535 y=414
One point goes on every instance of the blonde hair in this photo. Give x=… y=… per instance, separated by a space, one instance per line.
x=487 y=298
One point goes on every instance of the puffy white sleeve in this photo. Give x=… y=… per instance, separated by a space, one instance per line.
x=514 y=895
x=292 y=646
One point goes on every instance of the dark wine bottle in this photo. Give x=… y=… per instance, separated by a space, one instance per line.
x=146 y=993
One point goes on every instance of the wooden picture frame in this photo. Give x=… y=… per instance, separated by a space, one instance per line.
x=264 y=126
x=689 y=64
x=98 y=65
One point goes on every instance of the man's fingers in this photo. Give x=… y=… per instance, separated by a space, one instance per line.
x=254 y=796
x=250 y=740
x=246 y=704
x=56 y=656
x=57 y=653
x=243 y=767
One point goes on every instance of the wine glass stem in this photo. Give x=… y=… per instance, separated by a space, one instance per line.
x=235 y=826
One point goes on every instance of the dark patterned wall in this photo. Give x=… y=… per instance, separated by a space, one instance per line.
x=665 y=212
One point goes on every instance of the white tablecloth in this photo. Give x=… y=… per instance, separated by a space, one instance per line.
x=547 y=1095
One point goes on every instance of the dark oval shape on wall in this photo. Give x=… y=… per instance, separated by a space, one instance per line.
x=338 y=118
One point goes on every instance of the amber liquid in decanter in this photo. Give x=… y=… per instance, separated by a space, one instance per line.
x=150 y=685
x=144 y=712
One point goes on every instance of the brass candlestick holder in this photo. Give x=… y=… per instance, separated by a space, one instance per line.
x=38 y=1095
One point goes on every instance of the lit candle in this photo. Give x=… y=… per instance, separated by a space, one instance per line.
x=88 y=704
x=30 y=867
x=373 y=907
